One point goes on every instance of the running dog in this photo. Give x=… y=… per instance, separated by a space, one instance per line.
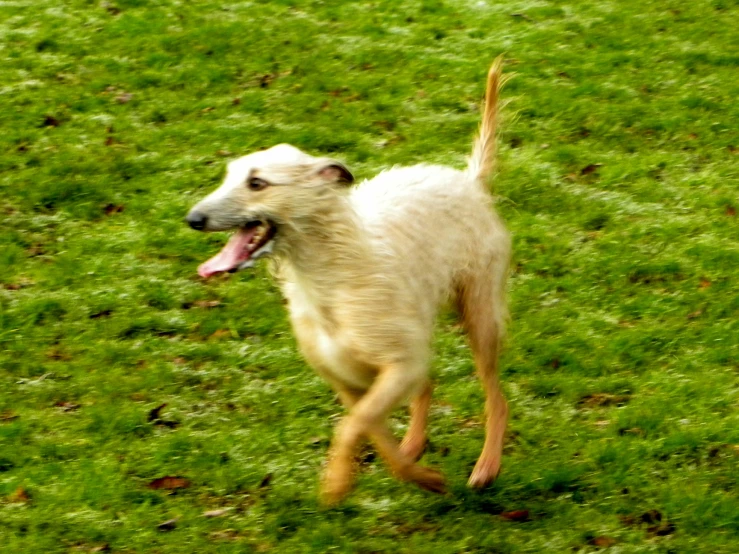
x=364 y=270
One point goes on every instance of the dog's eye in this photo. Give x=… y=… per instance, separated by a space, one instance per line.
x=255 y=183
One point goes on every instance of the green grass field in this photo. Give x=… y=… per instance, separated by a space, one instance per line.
x=618 y=177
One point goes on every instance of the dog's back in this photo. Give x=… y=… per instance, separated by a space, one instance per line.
x=430 y=224
x=434 y=225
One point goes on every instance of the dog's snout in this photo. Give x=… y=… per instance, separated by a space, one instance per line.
x=197 y=220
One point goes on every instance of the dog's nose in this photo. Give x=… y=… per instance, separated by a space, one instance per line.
x=197 y=220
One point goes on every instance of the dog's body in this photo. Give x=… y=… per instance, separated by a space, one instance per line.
x=365 y=271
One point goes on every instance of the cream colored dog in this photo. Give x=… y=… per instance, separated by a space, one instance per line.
x=364 y=270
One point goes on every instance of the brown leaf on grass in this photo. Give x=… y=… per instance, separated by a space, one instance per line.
x=169 y=483
x=22 y=283
x=179 y=360
x=168 y=525
x=591 y=168
x=266 y=80
x=730 y=211
x=266 y=480
x=657 y=525
x=236 y=101
x=602 y=542
x=155 y=418
x=50 y=121
x=225 y=153
x=124 y=98
x=111 y=209
x=694 y=314
x=111 y=8
x=56 y=353
x=383 y=124
x=67 y=406
x=516 y=515
x=661 y=530
x=523 y=16
x=705 y=283
x=651 y=516
x=154 y=413
x=221 y=333
x=100 y=548
x=20 y=496
x=36 y=250
x=515 y=142
x=598 y=399
x=7 y=416
x=715 y=451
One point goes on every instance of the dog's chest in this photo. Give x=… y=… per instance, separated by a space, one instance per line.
x=323 y=343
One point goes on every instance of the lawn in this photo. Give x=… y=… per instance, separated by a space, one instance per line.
x=618 y=177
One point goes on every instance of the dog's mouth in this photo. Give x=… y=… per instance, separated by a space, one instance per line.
x=251 y=241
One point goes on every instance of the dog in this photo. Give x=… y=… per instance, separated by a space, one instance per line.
x=364 y=270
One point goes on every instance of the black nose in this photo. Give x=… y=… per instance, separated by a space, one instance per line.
x=197 y=220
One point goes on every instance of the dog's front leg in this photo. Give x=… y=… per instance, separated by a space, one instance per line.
x=367 y=418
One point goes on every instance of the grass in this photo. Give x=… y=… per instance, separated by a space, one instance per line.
x=618 y=177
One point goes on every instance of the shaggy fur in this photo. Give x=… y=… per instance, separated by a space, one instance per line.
x=364 y=271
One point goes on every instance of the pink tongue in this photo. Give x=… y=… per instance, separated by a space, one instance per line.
x=232 y=256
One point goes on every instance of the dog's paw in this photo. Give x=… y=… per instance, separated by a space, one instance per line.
x=485 y=472
x=335 y=487
x=428 y=479
x=331 y=495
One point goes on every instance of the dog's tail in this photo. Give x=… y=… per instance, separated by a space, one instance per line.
x=482 y=161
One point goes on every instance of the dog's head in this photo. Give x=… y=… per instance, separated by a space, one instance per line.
x=264 y=195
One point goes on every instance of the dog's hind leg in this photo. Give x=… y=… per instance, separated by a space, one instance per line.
x=367 y=417
x=402 y=466
x=481 y=303
x=414 y=442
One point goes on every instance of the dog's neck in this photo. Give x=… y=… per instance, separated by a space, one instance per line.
x=326 y=248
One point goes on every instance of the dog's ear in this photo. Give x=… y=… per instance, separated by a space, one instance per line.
x=335 y=172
